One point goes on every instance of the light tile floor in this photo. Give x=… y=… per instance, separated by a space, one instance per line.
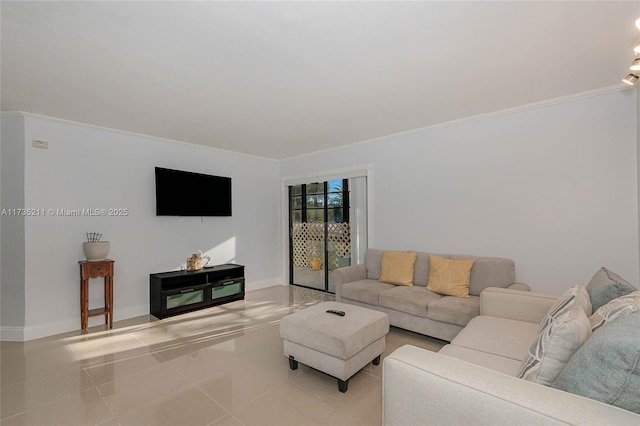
x=219 y=366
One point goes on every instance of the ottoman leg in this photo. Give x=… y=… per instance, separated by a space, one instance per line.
x=343 y=385
x=376 y=361
x=293 y=364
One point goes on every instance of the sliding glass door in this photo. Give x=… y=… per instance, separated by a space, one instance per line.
x=321 y=237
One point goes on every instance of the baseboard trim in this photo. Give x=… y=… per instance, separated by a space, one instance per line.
x=23 y=334
x=12 y=334
x=259 y=285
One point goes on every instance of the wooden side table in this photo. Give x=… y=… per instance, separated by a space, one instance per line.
x=95 y=269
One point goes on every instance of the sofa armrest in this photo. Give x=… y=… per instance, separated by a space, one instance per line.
x=515 y=304
x=424 y=387
x=519 y=286
x=346 y=275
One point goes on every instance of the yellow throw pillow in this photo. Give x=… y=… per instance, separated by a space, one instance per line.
x=449 y=277
x=397 y=268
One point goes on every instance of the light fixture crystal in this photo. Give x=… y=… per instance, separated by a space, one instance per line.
x=637 y=48
x=635 y=65
x=631 y=79
x=638 y=23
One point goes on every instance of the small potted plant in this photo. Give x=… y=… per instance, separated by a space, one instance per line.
x=315 y=256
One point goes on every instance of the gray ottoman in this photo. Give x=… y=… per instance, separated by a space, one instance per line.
x=337 y=345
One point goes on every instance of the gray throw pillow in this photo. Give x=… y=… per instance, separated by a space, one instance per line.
x=606 y=286
x=372 y=262
x=607 y=367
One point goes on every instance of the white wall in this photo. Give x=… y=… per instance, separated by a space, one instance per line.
x=87 y=167
x=554 y=187
x=12 y=248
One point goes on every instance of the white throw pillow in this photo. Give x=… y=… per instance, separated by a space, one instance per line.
x=621 y=306
x=574 y=298
x=559 y=338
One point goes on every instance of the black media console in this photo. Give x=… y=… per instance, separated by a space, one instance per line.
x=172 y=293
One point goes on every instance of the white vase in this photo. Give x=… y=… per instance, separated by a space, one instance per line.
x=96 y=251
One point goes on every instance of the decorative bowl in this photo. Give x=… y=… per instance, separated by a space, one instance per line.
x=96 y=251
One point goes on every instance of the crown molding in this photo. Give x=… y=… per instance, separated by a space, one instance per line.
x=126 y=132
x=460 y=121
x=457 y=122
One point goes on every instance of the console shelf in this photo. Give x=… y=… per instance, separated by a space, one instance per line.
x=177 y=292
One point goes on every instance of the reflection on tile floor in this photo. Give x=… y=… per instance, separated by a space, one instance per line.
x=313 y=279
x=219 y=366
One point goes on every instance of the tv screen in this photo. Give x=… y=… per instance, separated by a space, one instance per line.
x=180 y=193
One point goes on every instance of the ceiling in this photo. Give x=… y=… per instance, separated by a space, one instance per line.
x=282 y=79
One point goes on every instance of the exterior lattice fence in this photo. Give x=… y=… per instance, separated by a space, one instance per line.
x=308 y=242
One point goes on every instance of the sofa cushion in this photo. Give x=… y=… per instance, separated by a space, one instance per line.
x=623 y=305
x=605 y=286
x=449 y=277
x=412 y=300
x=365 y=291
x=397 y=267
x=499 y=336
x=372 y=262
x=454 y=310
x=574 y=298
x=607 y=367
x=494 y=362
x=560 y=337
x=489 y=272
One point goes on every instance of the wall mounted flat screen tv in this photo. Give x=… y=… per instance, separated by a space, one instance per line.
x=180 y=193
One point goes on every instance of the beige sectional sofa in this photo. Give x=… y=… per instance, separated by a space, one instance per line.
x=415 y=308
x=473 y=380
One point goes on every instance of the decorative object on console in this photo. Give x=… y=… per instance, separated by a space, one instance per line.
x=93 y=248
x=197 y=261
